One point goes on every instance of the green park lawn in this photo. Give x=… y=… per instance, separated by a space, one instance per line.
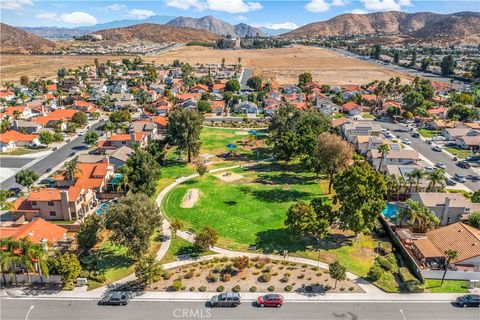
x=458 y=152
x=428 y=133
x=179 y=246
x=449 y=286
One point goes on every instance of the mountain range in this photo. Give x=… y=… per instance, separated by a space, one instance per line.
x=461 y=27
x=217 y=26
x=14 y=40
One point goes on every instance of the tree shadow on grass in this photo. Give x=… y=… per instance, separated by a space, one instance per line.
x=278 y=240
x=285 y=178
x=280 y=195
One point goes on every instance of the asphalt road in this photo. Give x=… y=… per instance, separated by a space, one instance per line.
x=52 y=159
x=247 y=74
x=14 y=162
x=17 y=309
x=426 y=150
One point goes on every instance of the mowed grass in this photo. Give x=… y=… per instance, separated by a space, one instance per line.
x=250 y=211
x=179 y=246
x=428 y=133
x=449 y=286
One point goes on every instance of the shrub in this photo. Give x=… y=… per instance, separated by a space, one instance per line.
x=212 y=277
x=192 y=289
x=351 y=288
x=266 y=277
x=253 y=289
x=226 y=277
x=271 y=288
x=327 y=287
x=177 y=285
x=288 y=288
x=268 y=269
x=301 y=276
x=202 y=289
x=236 y=288
x=342 y=289
x=385 y=263
x=220 y=288
x=411 y=283
x=285 y=279
x=318 y=274
x=188 y=275
x=224 y=259
x=375 y=272
x=314 y=268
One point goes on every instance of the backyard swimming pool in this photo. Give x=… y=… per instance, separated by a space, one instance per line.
x=390 y=211
x=103 y=207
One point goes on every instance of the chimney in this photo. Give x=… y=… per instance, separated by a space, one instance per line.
x=445 y=211
x=65 y=205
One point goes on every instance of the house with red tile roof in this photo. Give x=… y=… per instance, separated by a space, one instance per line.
x=8 y=95
x=118 y=140
x=13 y=139
x=84 y=106
x=56 y=204
x=62 y=115
x=186 y=96
x=161 y=123
x=218 y=106
x=89 y=175
x=22 y=112
x=199 y=88
x=439 y=112
x=38 y=231
x=351 y=108
x=51 y=87
x=218 y=88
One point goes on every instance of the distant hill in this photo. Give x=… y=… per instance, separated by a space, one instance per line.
x=422 y=26
x=274 y=32
x=55 y=33
x=14 y=40
x=155 y=33
x=217 y=26
x=127 y=23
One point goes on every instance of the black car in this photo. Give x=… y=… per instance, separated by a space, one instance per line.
x=15 y=190
x=469 y=300
x=48 y=170
x=117 y=298
x=72 y=154
x=229 y=299
x=415 y=135
x=464 y=164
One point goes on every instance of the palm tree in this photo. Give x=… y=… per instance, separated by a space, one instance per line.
x=384 y=150
x=401 y=184
x=39 y=258
x=450 y=255
x=109 y=126
x=26 y=256
x=71 y=169
x=437 y=176
x=417 y=175
x=12 y=248
x=123 y=127
x=416 y=214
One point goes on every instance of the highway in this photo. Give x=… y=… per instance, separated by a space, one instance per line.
x=426 y=150
x=17 y=309
x=53 y=159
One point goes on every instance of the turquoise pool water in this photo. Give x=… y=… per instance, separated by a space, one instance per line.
x=103 y=207
x=117 y=177
x=390 y=211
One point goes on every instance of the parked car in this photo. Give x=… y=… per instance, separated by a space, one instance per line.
x=228 y=299
x=270 y=300
x=459 y=177
x=48 y=170
x=473 y=177
x=15 y=190
x=406 y=141
x=81 y=133
x=464 y=164
x=440 y=165
x=55 y=149
x=438 y=138
x=450 y=182
x=117 y=298
x=437 y=148
x=415 y=135
x=47 y=181
x=469 y=300
x=428 y=169
x=72 y=154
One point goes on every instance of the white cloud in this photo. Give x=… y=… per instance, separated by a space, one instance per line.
x=186 y=4
x=318 y=6
x=229 y=6
x=359 y=11
x=78 y=17
x=15 y=4
x=276 y=26
x=339 y=3
x=386 y=5
x=240 y=18
x=141 y=13
x=47 y=16
x=116 y=7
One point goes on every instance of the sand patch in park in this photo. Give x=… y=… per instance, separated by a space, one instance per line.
x=190 y=198
x=229 y=176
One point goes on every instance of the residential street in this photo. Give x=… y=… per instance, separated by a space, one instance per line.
x=53 y=159
x=247 y=74
x=426 y=150
x=164 y=310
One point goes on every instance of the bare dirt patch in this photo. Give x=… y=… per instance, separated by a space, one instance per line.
x=283 y=277
x=229 y=176
x=190 y=198
x=241 y=133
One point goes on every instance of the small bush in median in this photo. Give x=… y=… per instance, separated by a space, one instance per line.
x=177 y=285
x=202 y=289
x=236 y=288
x=271 y=288
x=220 y=288
x=253 y=289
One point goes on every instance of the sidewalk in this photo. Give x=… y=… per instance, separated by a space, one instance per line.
x=82 y=294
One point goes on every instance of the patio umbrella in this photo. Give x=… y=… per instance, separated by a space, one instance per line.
x=253 y=132
x=231 y=146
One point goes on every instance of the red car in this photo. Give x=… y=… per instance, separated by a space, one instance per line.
x=270 y=300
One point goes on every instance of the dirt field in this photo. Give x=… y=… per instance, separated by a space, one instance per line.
x=280 y=65
x=12 y=67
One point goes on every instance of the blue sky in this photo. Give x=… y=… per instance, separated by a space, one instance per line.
x=274 y=14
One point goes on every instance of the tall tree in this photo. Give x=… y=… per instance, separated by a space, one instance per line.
x=184 y=127
x=304 y=78
x=302 y=219
x=360 y=191
x=450 y=255
x=80 y=118
x=71 y=169
x=416 y=215
x=333 y=155
x=68 y=267
x=232 y=85
x=142 y=172
x=384 y=150
x=91 y=138
x=148 y=270
x=133 y=220
x=337 y=271
x=447 y=65
x=89 y=231
x=255 y=83
x=436 y=177
x=26 y=178
x=206 y=239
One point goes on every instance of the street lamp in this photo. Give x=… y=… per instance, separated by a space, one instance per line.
x=403 y=314
x=31 y=308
